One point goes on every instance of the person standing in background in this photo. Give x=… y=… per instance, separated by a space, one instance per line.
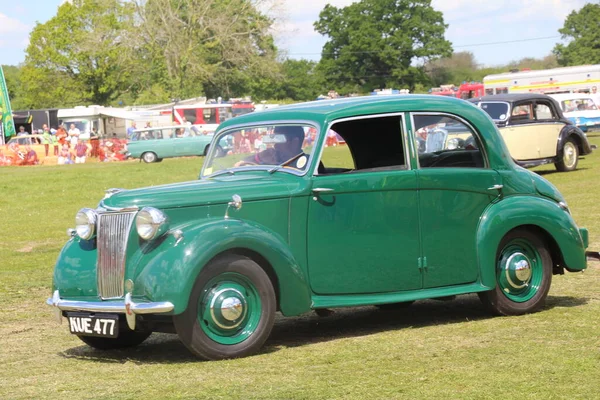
x=46 y=138
x=131 y=130
x=61 y=135
x=81 y=150
x=74 y=133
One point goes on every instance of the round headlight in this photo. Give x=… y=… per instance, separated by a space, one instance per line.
x=85 y=223
x=452 y=144
x=151 y=223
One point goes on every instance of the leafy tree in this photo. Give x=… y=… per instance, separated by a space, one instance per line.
x=461 y=66
x=215 y=47
x=80 y=54
x=378 y=43
x=582 y=29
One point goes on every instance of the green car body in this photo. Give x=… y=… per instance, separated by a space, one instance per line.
x=366 y=237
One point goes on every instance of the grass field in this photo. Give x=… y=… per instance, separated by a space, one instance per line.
x=431 y=350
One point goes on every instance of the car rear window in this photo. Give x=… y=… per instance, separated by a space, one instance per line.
x=498 y=111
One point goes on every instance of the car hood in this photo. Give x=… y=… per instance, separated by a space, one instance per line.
x=250 y=186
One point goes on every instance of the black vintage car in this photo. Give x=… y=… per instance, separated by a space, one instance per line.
x=535 y=130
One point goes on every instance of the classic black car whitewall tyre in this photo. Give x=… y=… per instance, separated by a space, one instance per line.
x=231 y=310
x=569 y=157
x=125 y=339
x=149 y=157
x=523 y=275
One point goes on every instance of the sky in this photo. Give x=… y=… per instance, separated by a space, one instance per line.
x=496 y=32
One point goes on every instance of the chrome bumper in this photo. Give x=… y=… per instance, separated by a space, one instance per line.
x=127 y=307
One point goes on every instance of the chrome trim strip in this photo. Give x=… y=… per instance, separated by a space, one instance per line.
x=109 y=306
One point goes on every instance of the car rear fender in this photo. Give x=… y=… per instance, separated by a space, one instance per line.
x=515 y=211
x=570 y=131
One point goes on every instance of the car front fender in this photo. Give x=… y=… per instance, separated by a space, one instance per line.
x=168 y=271
x=512 y=212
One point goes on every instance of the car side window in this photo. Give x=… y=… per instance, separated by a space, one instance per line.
x=365 y=144
x=544 y=112
x=522 y=113
x=446 y=142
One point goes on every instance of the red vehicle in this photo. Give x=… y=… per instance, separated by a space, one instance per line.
x=445 y=90
x=241 y=107
x=205 y=116
x=469 y=90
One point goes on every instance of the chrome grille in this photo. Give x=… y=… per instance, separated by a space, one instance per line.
x=113 y=232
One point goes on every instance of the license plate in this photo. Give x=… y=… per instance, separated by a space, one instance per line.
x=102 y=325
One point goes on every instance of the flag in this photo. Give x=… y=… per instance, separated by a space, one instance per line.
x=7 y=125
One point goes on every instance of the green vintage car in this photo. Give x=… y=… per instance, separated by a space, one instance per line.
x=285 y=224
x=154 y=144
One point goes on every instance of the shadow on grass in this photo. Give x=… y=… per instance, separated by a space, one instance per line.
x=309 y=328
x=553 y=171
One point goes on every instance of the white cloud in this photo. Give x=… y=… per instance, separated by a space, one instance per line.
x=10 y=26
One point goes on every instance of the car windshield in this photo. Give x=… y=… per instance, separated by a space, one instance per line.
x=272 y=147
x=497 y=110
x=581 y=104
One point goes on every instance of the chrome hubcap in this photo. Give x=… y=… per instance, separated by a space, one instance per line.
x=517 y=270
x=227 y=308
x=569 y=154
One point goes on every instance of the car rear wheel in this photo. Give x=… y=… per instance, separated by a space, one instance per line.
x=125 y=339
x=149 y=157
x=569 y=157
x=523 y=275
x=231 y=310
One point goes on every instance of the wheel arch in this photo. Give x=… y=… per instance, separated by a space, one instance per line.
x=574 y=133
x=555 y=225
x=179 y=265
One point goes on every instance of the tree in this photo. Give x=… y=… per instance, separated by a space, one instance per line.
x=380 y=43
x=82 y=49
x=582 y=29
x=215 y=47
x=461 y=66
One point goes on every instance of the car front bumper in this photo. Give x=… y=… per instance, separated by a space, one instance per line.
x=126 y=306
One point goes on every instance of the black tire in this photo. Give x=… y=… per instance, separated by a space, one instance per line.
x=149 y=157
x=204 y=333
x=394 y=306
x=125 y=339
x=568 y=157
x=523 y=275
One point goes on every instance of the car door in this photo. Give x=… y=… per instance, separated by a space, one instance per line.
x=363 y=230
x=455 y=187
x=527 y=137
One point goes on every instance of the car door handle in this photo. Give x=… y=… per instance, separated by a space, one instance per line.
x=495 y=187
x=322 y=190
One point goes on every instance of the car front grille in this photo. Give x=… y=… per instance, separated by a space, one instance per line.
x=113 y=232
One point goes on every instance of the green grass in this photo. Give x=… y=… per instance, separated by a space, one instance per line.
x=431 y=350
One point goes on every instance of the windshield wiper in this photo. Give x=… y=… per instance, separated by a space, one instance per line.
x=283 y=164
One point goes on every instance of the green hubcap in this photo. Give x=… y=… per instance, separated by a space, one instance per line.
x=569 y=152
x=229 y=308
x=519 y=270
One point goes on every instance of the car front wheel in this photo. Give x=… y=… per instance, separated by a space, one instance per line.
x=569 y=158
x=523 y=275
x=149 y=157
x=231 y=310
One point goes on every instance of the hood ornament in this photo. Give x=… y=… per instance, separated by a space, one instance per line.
x=111 y=191
x=236 y=203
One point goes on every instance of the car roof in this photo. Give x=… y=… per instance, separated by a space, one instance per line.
x=157 y=128
x=568 y=96
x=511 y=97
x=328 y=110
